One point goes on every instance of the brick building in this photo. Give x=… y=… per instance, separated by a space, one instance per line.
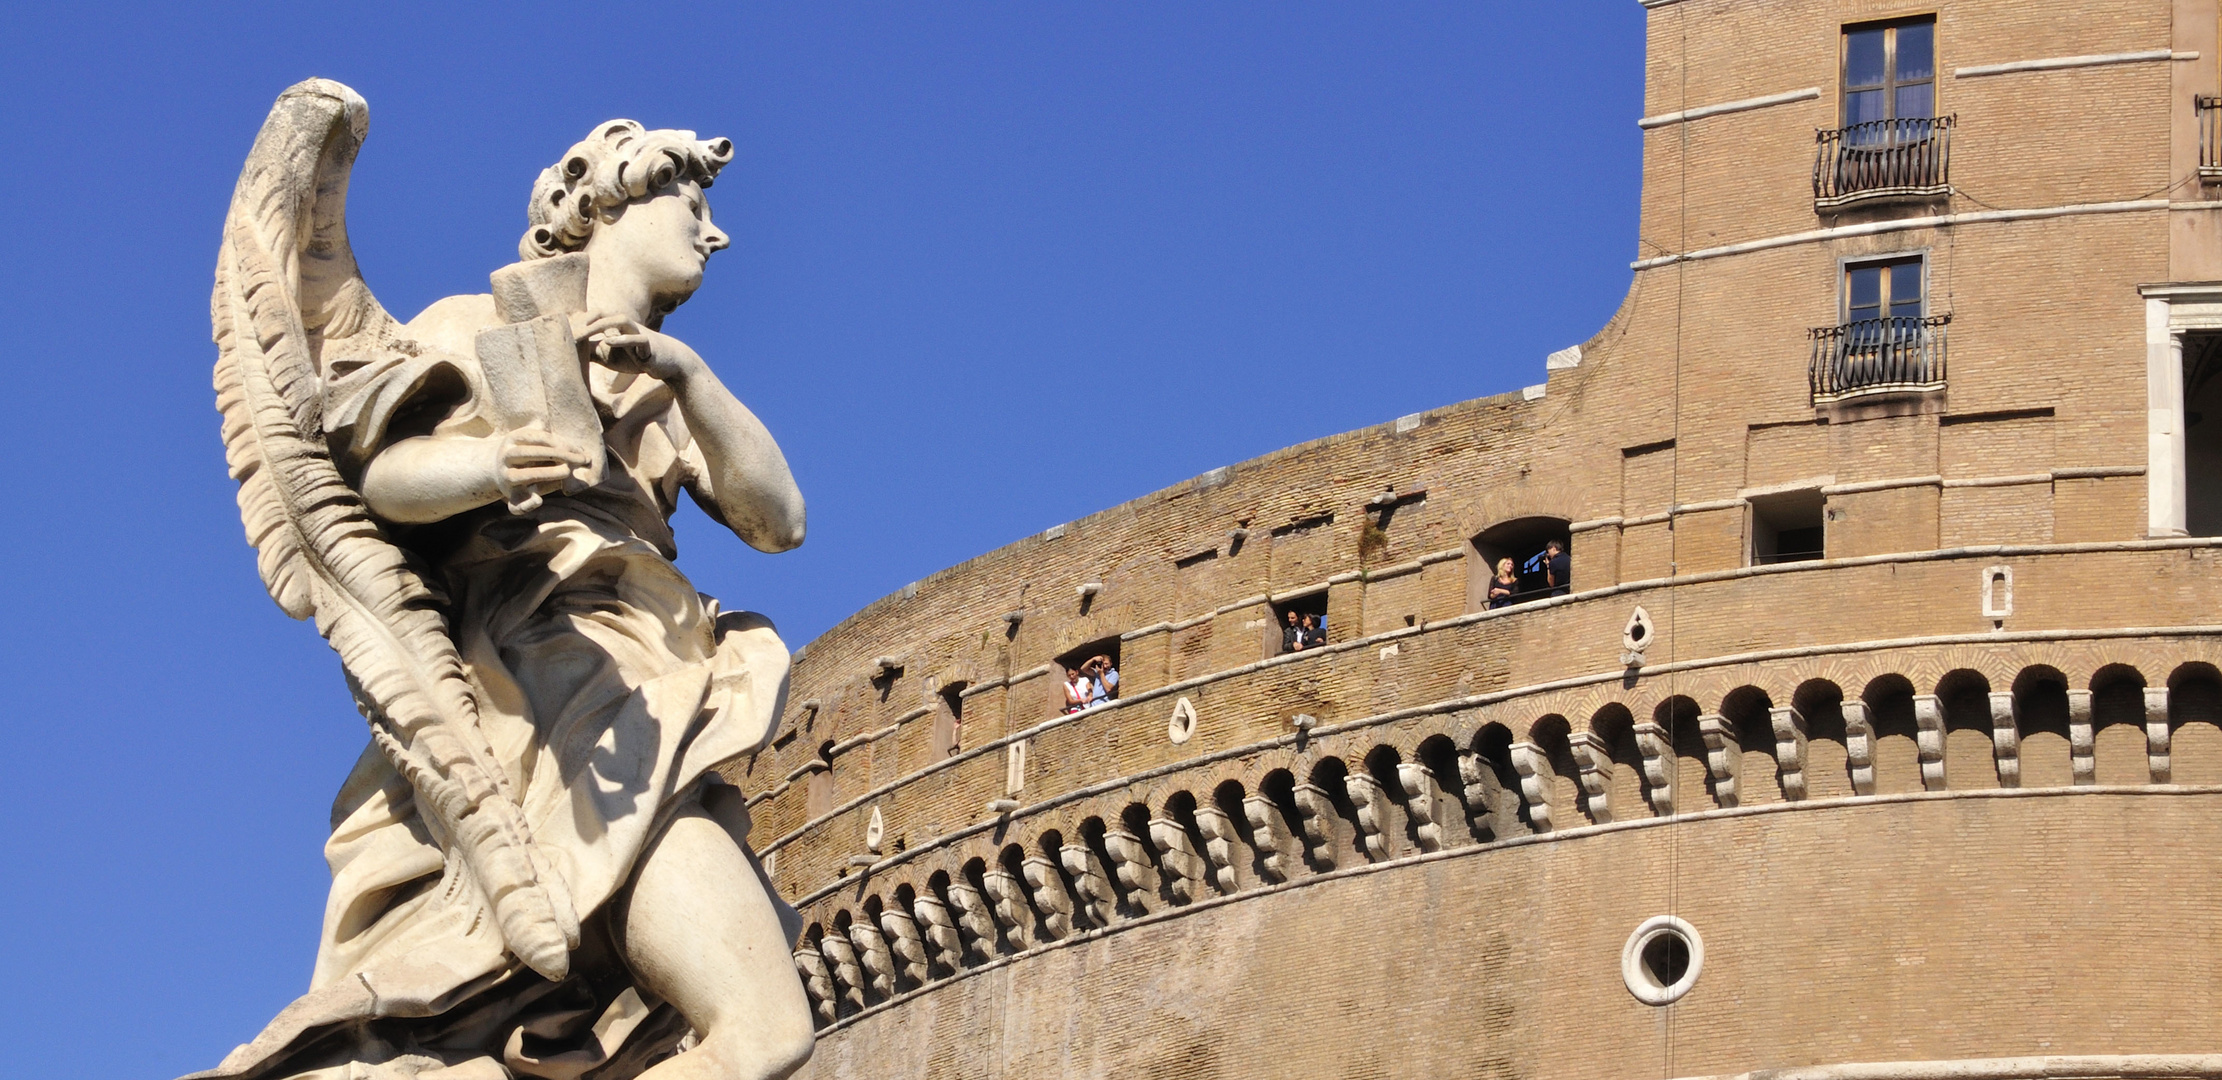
x=1875 y=735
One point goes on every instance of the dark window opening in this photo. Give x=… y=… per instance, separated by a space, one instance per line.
x=1666 y=958
x=1299 y=623
x=2202 y=434
x=948 y=730
x=1089 y=674
x=1537 y=570
x=1786 y=528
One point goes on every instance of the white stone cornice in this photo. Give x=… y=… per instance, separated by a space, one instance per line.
x=2056 y=63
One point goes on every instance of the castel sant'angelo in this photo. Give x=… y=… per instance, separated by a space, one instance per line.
x=1873 y=736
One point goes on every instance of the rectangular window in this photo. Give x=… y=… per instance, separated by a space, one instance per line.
x=1886 y=289
x=1890 y=71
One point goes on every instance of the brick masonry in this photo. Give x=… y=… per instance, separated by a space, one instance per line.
x=1904 y=827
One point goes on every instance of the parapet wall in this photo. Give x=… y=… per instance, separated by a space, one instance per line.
x=1946 y=792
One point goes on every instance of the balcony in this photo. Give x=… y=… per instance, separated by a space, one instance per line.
x=2210 y=138
x=1906 y=158
x=1901 y=354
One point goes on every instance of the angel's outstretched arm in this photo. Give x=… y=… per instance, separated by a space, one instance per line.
x=746 y=485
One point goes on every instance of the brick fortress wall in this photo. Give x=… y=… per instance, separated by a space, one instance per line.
x=1931 y=796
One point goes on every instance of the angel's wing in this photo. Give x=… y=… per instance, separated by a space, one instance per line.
x=288 y=302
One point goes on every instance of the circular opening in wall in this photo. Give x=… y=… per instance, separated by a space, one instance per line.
x=1661 y=960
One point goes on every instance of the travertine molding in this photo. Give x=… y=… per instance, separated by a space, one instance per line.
x=1595 y=760
x=1724 y=756
x=1682 y=116
x=1859 y=747
x=844 y=988
x=1928 y=723
x=2083 y=1067
x=1639 y=981
x=2057 y=63
x=2006 y=739
x=1932 y=221
x=1575 y=682
x=2082 y=742
x=1790 y=742
x=1659 y=774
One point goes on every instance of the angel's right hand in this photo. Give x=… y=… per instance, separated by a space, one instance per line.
x=530 y=463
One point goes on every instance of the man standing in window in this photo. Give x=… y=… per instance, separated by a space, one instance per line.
x=1558 y=568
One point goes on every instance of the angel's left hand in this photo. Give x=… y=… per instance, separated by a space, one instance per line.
x=622 y=344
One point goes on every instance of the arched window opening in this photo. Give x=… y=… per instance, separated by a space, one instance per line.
x=1539 y=571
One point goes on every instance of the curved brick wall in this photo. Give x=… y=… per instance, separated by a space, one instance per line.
x=1941 y=803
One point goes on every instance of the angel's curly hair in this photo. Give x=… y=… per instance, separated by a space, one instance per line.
x=620 y=162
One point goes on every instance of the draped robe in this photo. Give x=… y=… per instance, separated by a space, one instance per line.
x=607 y=687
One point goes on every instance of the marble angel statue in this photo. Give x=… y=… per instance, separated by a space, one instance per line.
x=535 y=871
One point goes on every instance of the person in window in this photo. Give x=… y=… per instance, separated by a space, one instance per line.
x=1292 y=635
x=1311 y=634
x=1078 y=689
x=1102 y=679
x=1503 y=585
x=1558 y=567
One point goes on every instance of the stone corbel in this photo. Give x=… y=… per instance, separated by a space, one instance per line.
x=848 y=975
x=1481 y=800
x=2156 y=734
x=1222 y=845
x=1315 y=812
x=2006 y=740
x=1007 y=903
x=1096 y=899
x=973 y=920
x=1534 y=767
x=1264 y=818
x=1724 y=756
x=903 y=940
x=873 y=957
x=1372 y=805
x=1658 y=766
x=1184 y=868
x=1131 y=868
x=945 y=944
x=1595 y=760
x=1928 y=739
x=817 y=982
x=1859 y=747
x=1420 y=794
x=1050 y=897
x=2082 y=744
x=1789 y=731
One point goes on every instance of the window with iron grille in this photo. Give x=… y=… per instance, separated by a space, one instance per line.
x=1890 y=144
x=1884 y=339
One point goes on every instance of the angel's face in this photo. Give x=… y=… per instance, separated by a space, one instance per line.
x=653 y=253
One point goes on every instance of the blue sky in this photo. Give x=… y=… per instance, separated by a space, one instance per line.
x=995 y=266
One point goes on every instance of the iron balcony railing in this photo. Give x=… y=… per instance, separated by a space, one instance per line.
x=2210 y=137
x=1904 y=158
x=1868 y=356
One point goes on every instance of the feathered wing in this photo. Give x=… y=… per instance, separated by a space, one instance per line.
x=287 y=294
